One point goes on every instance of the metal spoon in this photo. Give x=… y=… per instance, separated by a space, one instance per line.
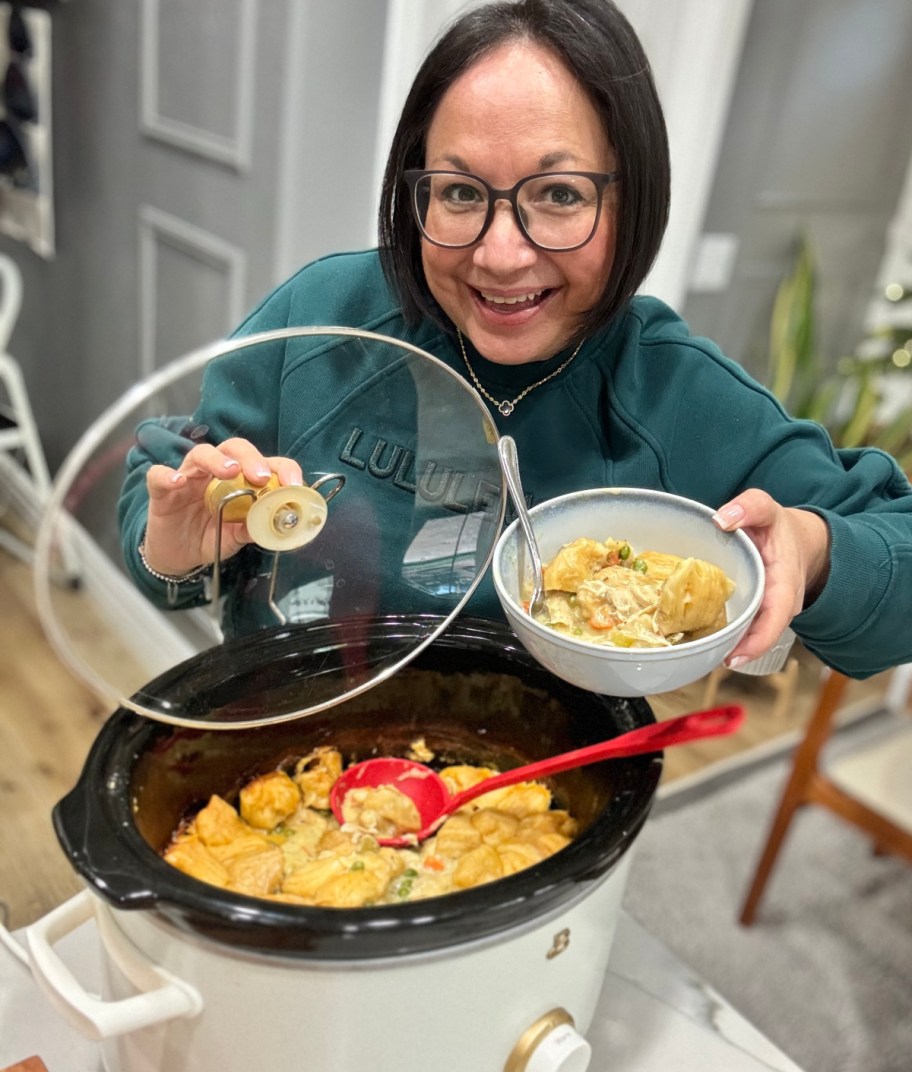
x=506 y=449
x=433 y=800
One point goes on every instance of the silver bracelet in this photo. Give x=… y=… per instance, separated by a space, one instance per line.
x=169 y=578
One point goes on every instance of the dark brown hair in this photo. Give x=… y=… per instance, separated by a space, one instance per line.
x=600 y=48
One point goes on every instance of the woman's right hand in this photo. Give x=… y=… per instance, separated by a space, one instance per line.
x=180 y=530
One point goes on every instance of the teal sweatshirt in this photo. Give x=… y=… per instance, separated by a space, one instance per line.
x=644 y=404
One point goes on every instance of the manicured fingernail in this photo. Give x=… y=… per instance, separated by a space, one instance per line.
x=728 y=516
x=738 y=660
x=230 y=463
x=263 y=471
x=177 y=478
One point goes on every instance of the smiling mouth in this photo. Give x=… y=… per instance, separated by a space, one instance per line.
x=513 y=302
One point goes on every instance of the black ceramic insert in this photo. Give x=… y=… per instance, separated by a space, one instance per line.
x=475 y=695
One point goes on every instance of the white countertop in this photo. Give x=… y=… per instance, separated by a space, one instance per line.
x=657 y=1015
x=654 y=1015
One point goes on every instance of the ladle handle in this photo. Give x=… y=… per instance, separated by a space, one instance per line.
x=715 y=722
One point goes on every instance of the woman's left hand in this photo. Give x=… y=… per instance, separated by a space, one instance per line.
x=794 y=546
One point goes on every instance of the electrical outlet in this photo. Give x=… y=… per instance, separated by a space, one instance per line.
x=714 y=263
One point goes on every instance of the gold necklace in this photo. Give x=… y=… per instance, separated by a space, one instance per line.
x=506 y=407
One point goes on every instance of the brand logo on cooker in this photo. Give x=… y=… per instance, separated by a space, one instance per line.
x=461 y=492
x=560 y=943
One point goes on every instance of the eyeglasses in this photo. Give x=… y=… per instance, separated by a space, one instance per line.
x=556 y=211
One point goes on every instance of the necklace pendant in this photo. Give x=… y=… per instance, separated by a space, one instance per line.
x=506 y=408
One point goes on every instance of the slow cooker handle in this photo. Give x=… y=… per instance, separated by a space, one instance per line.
x=162 y=995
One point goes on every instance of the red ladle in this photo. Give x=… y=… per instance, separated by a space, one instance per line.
x=434 y=802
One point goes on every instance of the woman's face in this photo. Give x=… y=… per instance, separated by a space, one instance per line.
x=516 y=112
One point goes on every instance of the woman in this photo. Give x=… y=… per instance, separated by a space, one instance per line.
x=524 y=201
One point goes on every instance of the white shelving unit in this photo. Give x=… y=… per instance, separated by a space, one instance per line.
x=27 y=204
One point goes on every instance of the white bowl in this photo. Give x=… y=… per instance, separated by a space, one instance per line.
x=650 y=521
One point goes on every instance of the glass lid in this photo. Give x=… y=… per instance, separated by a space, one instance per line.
x=402 y=503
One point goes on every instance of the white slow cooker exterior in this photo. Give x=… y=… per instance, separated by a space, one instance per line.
x=463 y=1009
x=488 y=980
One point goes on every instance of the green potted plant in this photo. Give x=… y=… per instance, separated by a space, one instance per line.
x=850 y=399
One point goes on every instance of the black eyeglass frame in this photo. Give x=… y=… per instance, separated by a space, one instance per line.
x=601 y=179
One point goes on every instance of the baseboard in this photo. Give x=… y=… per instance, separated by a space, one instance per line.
x=19 y=494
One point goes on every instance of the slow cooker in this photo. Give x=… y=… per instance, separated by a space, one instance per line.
x=500 y=977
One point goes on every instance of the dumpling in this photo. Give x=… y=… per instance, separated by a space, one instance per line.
x=494 y=826
x=456 y=837
x=269 y=800
x=383 y=810
x=479 y=865
x=191 y=856
x=693 y=597
x=315 y=775
x=256 y=870
x=575 y=563
x=659 y=565
x=219 y=824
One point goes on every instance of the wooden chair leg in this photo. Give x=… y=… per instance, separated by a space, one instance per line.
x=792 y=799
x=804 y=769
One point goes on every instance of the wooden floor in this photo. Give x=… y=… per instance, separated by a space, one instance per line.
x=48 y=720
